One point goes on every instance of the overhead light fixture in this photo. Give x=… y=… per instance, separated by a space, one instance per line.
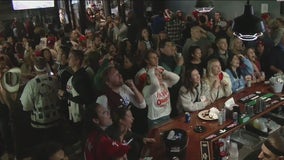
x=248 y=27
x=204 y=6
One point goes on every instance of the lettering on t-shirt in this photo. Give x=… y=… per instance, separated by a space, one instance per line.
x=163 y=98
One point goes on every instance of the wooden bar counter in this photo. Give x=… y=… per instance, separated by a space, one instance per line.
x=157 y=150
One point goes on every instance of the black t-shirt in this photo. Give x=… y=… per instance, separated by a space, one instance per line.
x=4 y=112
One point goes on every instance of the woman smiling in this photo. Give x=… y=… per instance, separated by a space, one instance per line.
x=194 y=93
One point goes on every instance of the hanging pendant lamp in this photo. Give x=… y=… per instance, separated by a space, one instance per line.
x=204 y=6
x=248 y=27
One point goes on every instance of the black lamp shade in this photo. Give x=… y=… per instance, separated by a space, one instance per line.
x=247 y=26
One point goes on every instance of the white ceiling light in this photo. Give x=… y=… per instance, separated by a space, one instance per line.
x=248 y=27
x=204 y=6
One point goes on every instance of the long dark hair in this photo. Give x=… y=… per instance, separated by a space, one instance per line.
x=140 y=36
x=236 y=74
x=117 y=114
x=89 y=125
x=188 y=84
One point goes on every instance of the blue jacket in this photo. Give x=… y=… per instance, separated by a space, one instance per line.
x=246 y=67
x=237 y=83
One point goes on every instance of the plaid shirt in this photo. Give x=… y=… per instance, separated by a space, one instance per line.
x=174 y=29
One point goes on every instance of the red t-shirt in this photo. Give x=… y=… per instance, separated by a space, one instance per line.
x=103 y=148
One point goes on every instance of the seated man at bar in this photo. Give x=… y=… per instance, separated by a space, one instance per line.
x=194 y=93
x=219 y=82
x=273 y=147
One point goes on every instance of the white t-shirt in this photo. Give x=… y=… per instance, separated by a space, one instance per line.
x=157 y=96
x=73 y=108
x=159 y=103
x=127 y=96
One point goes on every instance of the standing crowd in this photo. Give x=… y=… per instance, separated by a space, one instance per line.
x=103 y=89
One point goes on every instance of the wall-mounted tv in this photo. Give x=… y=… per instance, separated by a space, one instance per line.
x=32 y=4
x=75 y=1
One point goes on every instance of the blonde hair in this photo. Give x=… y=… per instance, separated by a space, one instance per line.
x=232 y=45
x=209 y=67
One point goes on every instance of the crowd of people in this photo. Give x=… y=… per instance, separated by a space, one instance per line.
x=118 y=79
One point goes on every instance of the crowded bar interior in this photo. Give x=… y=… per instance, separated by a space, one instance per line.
x=142 y=80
